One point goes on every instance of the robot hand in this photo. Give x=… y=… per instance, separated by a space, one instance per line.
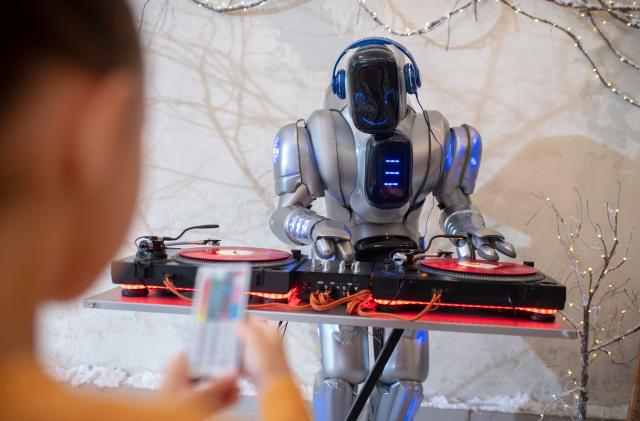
x=486 y=242
x=332 y=238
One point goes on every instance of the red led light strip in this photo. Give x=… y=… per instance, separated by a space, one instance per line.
x=290 y=294
x=138 y=286
x=476 y=306
x=267 y=295
x=272 y=295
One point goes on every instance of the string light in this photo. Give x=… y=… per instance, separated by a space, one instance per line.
x=418 y=30
x=230 y=6
x=576 y=41
x=567 y=31
x=234 y=6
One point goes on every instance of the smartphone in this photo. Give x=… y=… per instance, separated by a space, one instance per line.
x=219 y=303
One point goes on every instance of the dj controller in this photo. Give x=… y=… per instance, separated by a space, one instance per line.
x=407 y=278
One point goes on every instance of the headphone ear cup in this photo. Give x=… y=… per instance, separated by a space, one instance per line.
x=410 y=78
x=339 y=85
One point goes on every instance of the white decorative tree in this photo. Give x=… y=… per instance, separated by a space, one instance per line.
x=593 y=252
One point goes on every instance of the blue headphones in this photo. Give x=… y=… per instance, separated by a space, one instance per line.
x=411 y=72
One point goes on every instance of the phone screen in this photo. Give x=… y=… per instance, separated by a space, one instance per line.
x=219 y=303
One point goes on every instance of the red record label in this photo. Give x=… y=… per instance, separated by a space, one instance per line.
x=482 y=267
x=234 y=254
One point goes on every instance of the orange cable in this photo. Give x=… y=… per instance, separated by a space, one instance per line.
x=171 y=287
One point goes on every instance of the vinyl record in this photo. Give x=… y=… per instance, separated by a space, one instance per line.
x=479 y=267
x=220 y=254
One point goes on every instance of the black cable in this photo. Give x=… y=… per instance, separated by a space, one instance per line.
x=195 y=227
x=451 y=237
x=425 y=116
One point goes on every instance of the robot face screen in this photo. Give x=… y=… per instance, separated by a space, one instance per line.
x=374 y=94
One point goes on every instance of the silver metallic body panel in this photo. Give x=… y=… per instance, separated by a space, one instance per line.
x=410 y=360
x=332 y=398
x=399 y=401
x=462 y=162
x=345 y=351
x=294 y=162
x=334 y=148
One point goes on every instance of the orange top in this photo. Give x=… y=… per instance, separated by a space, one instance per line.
x=27 y=394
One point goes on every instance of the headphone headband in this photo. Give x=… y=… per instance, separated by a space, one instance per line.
x=375 y=41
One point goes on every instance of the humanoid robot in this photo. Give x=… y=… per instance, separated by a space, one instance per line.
x=375 y=161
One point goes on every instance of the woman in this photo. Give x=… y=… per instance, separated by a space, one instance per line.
x=71 y=112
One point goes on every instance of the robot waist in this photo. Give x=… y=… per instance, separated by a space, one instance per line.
x=374 y=240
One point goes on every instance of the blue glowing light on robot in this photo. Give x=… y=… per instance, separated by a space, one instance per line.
x=413 y=407
x=448 y=161
x=391 y=172
x=375 y=123
x=475 y=152
x=276 y=149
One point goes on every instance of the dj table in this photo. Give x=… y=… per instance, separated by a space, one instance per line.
x=459 y=321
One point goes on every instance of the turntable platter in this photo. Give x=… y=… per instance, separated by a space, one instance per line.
x=220 y=254
x=479 y=269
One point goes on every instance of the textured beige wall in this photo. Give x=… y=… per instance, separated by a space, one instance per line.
x=219 y=88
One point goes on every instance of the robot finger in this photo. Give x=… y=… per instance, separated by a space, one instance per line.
x=345 y=251
x=324 y=248
x=484 y=249
x=463 y=250
x=504 y=247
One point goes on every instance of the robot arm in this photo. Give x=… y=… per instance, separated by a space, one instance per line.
x=298 y=184
x=463 y=152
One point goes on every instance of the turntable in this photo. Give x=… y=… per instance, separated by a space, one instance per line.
x=468 y=283
x=407 y=279
x=159 y=261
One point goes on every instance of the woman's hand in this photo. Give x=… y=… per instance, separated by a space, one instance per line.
x=264 y=360
x=209 y=397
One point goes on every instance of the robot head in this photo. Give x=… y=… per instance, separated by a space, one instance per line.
x=376 y=84
x=375 y=96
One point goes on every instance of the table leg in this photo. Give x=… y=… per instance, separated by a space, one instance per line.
x=373 y=377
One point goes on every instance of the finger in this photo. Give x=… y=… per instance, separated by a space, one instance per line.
x=324 y=248
x=218 y=393
x=487 y=252
x=345 y=251
x=484 y=249
x=177 y=374
x=251 y=328
x=464 y=251
x=504 y=247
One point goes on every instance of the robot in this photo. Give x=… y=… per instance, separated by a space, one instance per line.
x=375 y=160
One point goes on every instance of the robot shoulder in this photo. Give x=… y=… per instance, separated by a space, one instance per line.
x=335 y=151
x=294 y=162
x=439 y=124
x=463 y=152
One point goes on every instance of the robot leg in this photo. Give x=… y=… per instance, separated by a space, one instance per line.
x=345 y=364
x=398 y=394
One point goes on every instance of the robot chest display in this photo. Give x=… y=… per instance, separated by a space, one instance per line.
x=388 y=171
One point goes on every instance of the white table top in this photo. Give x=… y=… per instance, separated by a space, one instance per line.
x=458 y=321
